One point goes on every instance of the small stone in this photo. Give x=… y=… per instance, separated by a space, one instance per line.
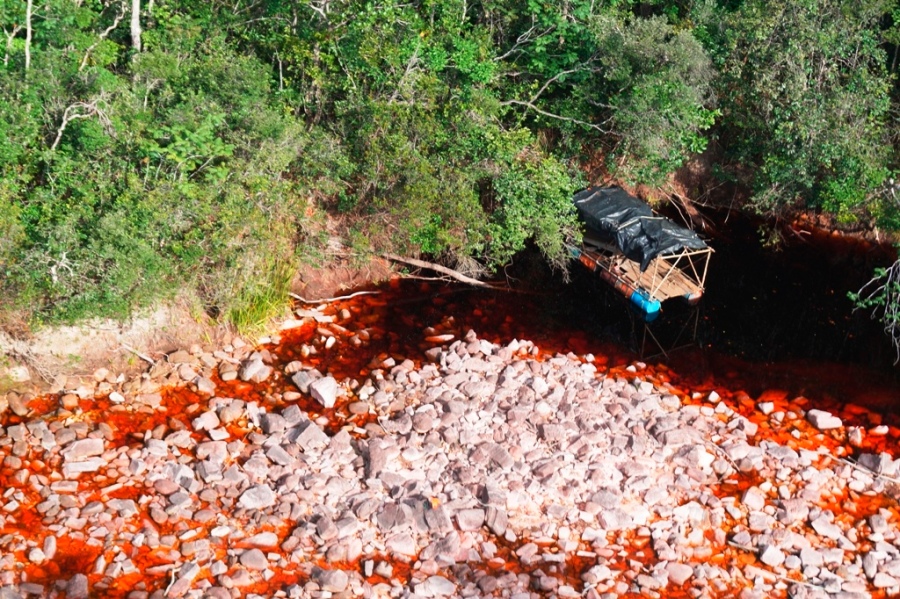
x=254 y=371
x=186 y=575
x=17 y=404
x=71 y=469
x=881 y=463
x=883 y=581
x=206 y=421
x=878 y=523
x=823 y=420
x=187 y=373
x=272 y=423
x=771 y=556
x=69 y=401
x=470 y=519
x=205 y=386
x=496 y=519
x=436 y=586
x=263 y=539
x=50 y=546
x=180 y=357
x=402 y=545
x=310 y=437
x=826 y=528
x=303 y=379
x=83 y=448
x=811 y=557
x=754 y=499
x=422 y=422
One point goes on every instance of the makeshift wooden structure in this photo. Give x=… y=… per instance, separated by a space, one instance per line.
x=677 y=275
x=645 y=257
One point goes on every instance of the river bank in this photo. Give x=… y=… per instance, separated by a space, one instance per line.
x=331 y=462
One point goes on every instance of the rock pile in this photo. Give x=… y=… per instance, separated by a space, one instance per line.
x=489 y=471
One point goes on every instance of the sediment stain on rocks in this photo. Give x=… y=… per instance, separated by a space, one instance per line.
x=466 y=467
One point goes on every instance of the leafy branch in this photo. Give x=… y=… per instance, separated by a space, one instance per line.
x=881 y=294
x=103 y=35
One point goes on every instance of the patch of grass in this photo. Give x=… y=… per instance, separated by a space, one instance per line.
x=257 y=302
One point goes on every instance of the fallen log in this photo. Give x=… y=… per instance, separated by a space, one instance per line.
x=441 y=269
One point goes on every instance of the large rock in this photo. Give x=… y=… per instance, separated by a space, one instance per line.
x=879 y=463
x=254 y=370
x=304 y=378
x=679 y=573
x=436 y=586
x=77 y=587
x=83 y=448
x=333 y=581
x=254 y=559
x=324 y=391
x=309 y=436
x=258 y=497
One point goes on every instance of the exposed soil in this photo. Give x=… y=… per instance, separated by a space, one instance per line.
x=43 y=360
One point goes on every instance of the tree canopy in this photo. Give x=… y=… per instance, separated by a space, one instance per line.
x=147 y=146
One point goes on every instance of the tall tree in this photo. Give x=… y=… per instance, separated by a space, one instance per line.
x=136 y=25
x=28 y=10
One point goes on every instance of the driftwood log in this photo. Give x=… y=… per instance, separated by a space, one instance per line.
x=454 y=274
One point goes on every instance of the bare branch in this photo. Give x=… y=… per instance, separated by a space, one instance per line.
x=556 y=78
x=10 y=35
x=143 y=357
x=559 y=117
x=82 y=110
x=331 y=299
x=883 y=293
x=524 y=38
x=410 y=65
x=438 y=268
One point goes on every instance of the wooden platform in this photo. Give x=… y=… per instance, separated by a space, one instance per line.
x=679 y=275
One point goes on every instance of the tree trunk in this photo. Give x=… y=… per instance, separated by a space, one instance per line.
x=136 y=25
x=28 y=8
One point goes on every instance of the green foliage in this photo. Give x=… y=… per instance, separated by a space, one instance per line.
x=658 y=81
x=435 y=127
x=181 y=171
x=804 y=92
x=535 y=203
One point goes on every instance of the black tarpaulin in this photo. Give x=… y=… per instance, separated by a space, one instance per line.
x=619 y=217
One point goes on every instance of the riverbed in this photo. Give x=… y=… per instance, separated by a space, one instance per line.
x=425 y=439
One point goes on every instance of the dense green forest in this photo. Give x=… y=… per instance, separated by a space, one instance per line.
x=148 y=146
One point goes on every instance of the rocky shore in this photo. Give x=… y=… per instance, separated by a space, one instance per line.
x=482 y=470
